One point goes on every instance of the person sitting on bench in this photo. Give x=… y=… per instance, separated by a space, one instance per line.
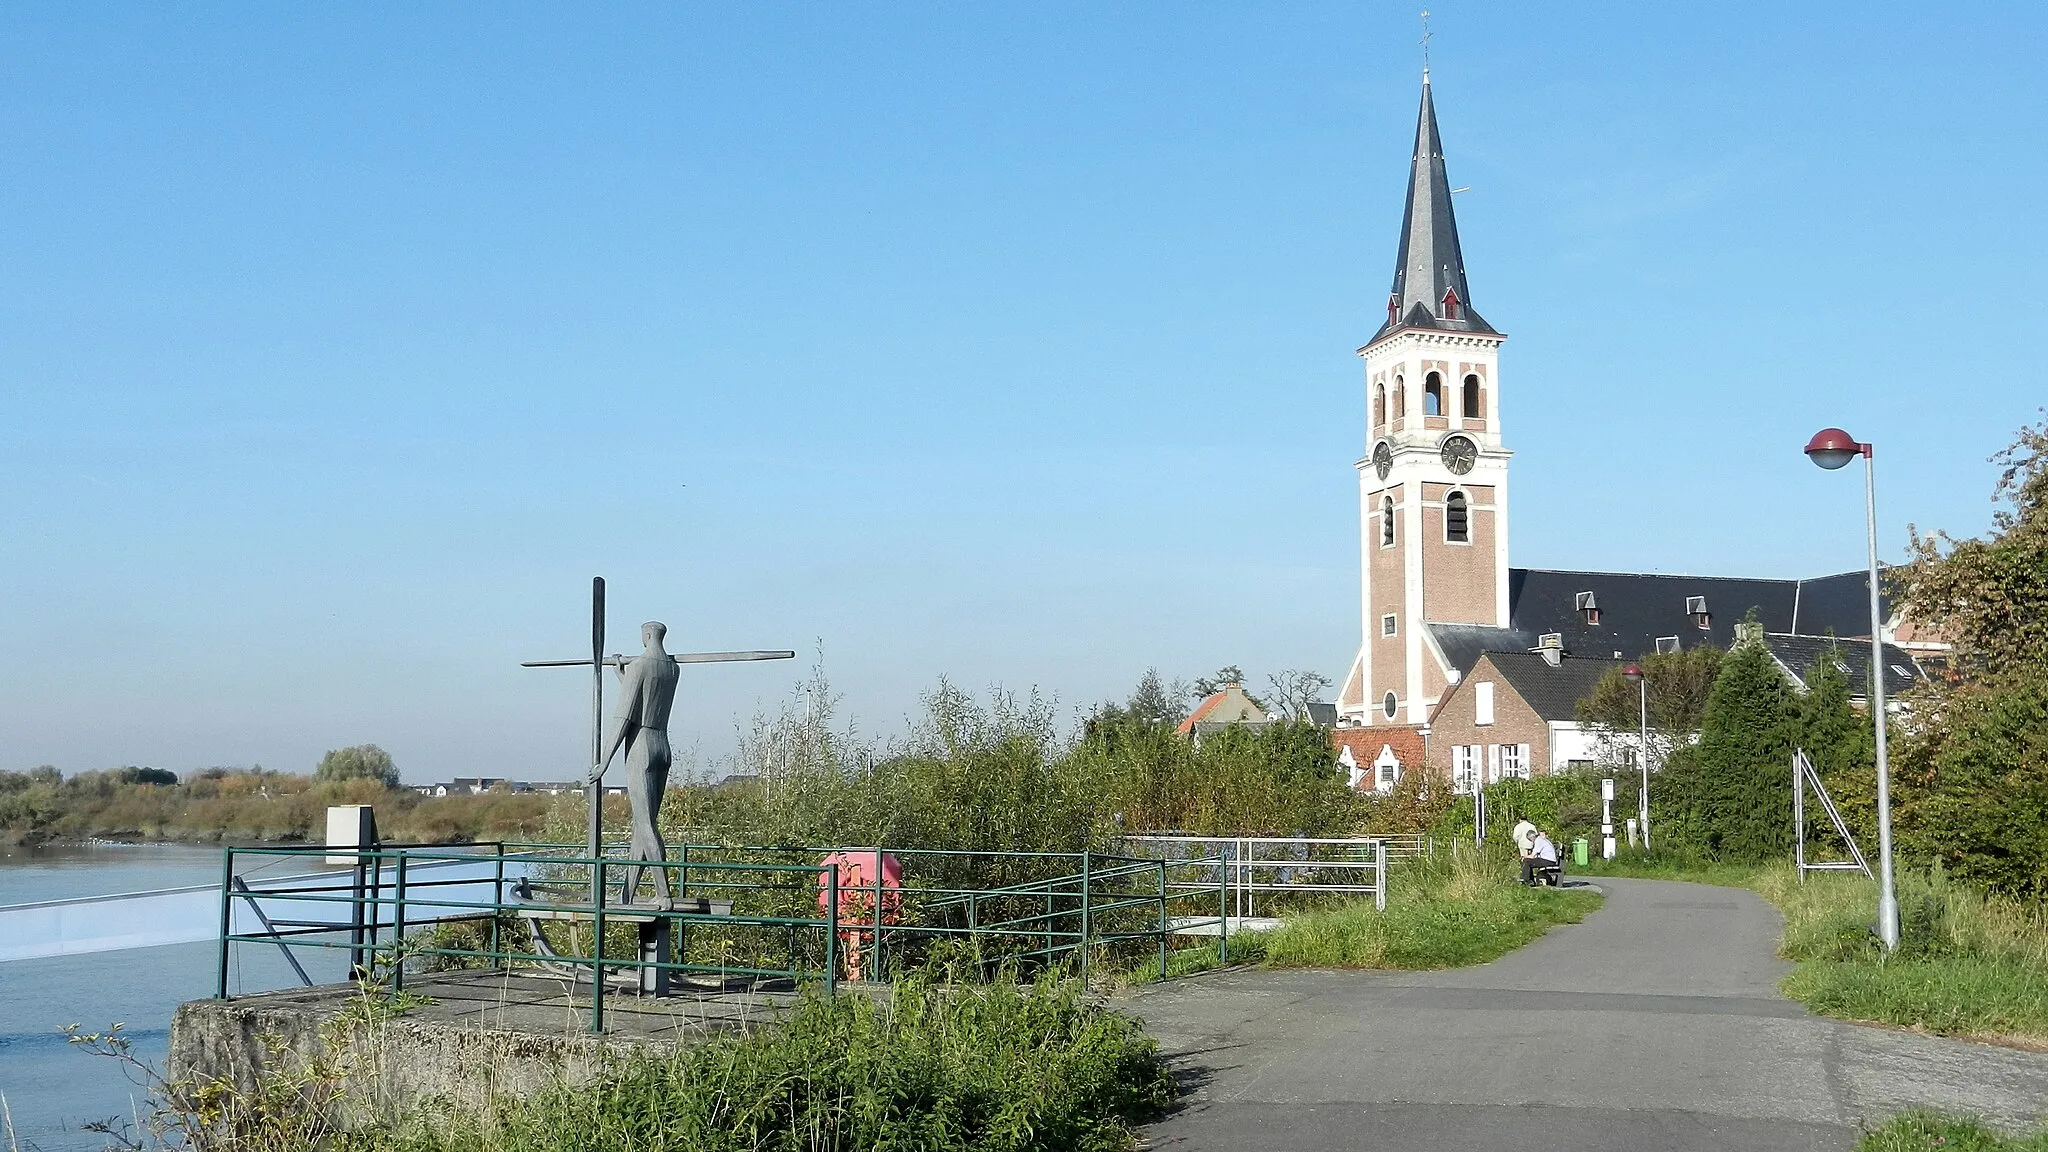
x=1539 y=863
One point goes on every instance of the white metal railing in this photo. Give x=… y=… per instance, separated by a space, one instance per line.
x=1349 y=865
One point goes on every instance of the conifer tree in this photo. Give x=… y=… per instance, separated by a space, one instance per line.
x=1730 y=795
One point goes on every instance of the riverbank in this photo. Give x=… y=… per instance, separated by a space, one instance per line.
x=257 y=807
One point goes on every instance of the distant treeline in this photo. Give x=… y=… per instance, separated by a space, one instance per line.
x=245 y=806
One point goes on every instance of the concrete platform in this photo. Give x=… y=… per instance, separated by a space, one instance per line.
x=479 y=1033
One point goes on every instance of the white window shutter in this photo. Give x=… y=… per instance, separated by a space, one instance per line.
x=1522 y=757
x=1492 y=761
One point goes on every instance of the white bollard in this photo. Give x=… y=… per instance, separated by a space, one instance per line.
x=1631 y=831
x=351 y=826
x=1607 y=819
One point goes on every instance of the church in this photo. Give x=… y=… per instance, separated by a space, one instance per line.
x=1437 y=593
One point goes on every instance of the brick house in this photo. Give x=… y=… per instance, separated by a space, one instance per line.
x=1515 y=714
x=1376 y=758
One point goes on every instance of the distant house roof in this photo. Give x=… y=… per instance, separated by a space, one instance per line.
x=1638 y=610
x=1553 y=692
x=1222 y=708
x=1800 y=655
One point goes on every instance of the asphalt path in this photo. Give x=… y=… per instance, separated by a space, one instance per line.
x=1655 y=1024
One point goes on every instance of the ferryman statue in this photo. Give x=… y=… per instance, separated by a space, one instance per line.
x=647 y=690
x=647 y=694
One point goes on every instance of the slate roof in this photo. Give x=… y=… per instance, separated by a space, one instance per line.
x=1430 y=261
x=1463 y=644
x=1553 y=692
x=1800 y=654
x=1637 y=609
x=1322 y=715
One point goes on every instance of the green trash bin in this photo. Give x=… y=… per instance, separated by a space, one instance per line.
x=1580 y=851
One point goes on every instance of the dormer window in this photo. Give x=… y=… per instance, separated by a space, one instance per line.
x=1393 y=309
x=1451 y=303
x=1696 y=607
x=1666 y=645
x=1589 y=607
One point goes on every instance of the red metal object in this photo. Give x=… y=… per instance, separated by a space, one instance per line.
x=1831 y=448
x=867 y=876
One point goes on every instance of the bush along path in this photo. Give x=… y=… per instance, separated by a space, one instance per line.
x=1458 y=910
x=1969 y=965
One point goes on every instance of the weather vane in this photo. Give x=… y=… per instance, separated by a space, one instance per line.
x=1425 y=41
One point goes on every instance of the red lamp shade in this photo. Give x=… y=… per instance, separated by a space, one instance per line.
x=1831 y=448
x=1633 y=672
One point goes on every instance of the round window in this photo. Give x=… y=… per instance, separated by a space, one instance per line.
x=1392 y=705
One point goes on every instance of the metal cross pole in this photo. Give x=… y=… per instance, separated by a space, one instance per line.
x=597 y=663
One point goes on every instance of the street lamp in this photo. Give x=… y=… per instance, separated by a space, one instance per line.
x=1634 y=672
x=1832 y=448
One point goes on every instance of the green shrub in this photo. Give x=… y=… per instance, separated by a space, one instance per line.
x=976 y=1067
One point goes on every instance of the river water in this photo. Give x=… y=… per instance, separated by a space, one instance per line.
x=50 y=1087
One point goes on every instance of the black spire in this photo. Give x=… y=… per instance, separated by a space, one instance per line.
x=1429 y=276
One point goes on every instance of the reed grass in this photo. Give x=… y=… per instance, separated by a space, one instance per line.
x=997 y=1067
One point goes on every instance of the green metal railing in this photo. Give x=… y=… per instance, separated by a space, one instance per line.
x=1066 y=908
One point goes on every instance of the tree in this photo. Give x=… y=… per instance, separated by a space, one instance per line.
x=1971 y=772
x=1154 y=702
x=358 y=762
x=1207 y=686
x=1294 y=690
x=1679 y=683
x=1730 y=795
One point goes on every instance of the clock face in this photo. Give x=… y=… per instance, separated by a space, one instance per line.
x=1460 y=453
x=1382 y=459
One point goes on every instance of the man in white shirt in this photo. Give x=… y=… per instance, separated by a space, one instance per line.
x=1541 y=856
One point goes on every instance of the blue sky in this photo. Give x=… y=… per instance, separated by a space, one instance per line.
x=340 y=347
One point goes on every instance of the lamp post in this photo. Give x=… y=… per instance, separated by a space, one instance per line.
x=1832 y=448
x=1634 y=672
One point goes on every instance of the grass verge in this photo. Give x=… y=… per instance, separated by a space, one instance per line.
x=1448 y=914
x=980 y=1067
x=1927 y=1131
x=1968 y=964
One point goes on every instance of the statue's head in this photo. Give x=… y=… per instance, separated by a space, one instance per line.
x=652 y=632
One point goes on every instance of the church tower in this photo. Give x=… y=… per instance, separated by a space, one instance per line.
x=1433 y=485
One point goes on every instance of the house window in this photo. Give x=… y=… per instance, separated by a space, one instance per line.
x=1472 y=409
x=1457 y=519
x=1482 y=702
x=1696 y=607
x=1514 y=761
x=1389 y=624
x=1388 y=770
x=1392 y=704
x=1589 y=606
x=1387 y=522
x=1666 y=645
x=1433 y=395
x=1464 y=768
